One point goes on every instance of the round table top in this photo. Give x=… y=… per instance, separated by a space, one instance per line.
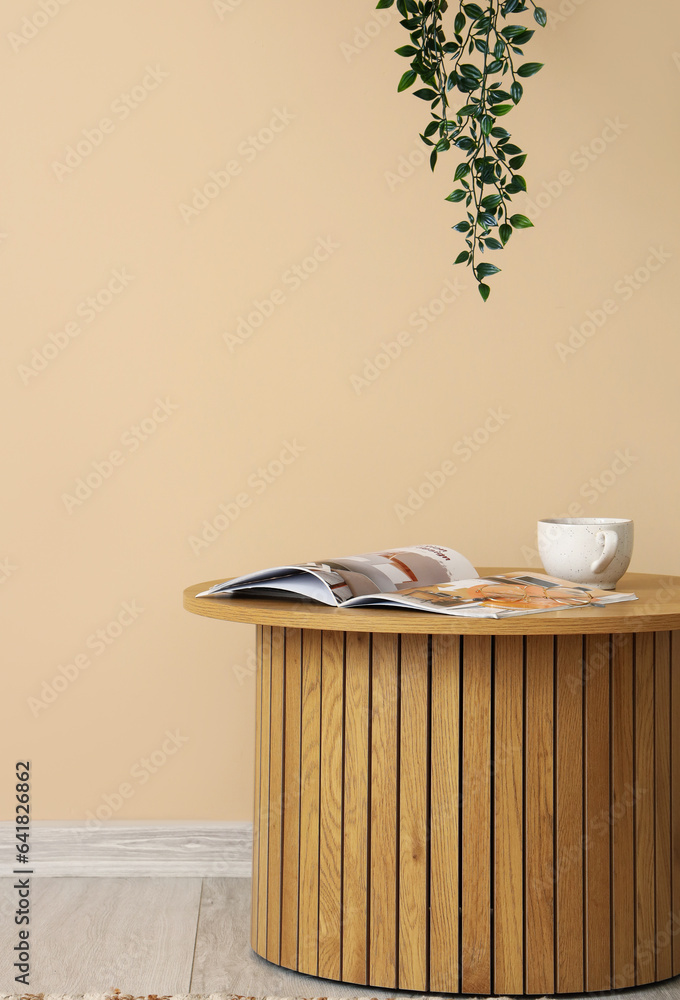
x=656 y=610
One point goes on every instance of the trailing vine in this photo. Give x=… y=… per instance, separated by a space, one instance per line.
x=489 y=175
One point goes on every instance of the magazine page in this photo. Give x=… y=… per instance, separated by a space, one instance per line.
x=336 y=581
x=599 y=598
x=456 y=599
x=506 y=596
x=288 y=581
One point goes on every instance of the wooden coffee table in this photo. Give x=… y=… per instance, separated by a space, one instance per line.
x=468 y=806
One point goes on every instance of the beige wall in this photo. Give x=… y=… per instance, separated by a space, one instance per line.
x=202 y=81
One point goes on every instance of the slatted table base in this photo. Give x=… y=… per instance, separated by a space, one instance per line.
x=470 y=814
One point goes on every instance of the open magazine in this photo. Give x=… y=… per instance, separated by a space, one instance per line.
x=419 y=578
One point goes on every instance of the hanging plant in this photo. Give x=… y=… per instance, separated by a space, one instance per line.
x=484 y=62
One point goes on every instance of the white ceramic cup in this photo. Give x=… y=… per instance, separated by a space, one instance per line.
x=591 y=551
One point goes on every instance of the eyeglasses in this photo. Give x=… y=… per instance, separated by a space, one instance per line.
x=531 y=596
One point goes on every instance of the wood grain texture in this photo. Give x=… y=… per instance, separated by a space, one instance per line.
x=384 y=831
x=90 y=935
x=227 y=965
x=290 y=865
x=355 y=847
x=643 y=615
x=256 y=803
x=135 y=848
x=444 y=813
x=476 y=815
x=263 y=821
x=643 y=745
x=645 y=813
x=675 y=780
x=330 y=819
x=597 y=813
x=476 y=823
x=623 y=812
x=539 y=835
x=275 y=794
x=310 y=753
x=413 y=814
x=570 y=869
x=509 y=836
x=662 y=795
x=219 y=956
x=223 y=963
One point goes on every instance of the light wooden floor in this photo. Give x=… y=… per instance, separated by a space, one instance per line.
x=163 y=936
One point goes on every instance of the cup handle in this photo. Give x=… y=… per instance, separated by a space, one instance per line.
x=610 y=540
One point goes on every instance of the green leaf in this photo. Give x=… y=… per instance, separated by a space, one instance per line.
x=407 y=50
x=412 y=6
x=541 y=17
x=455 y=196
x=518 y=161
x=462 y=258
x=508 y=147
x=407 y=79
x=425 y=94
x=500 y=133
x=528 y=69
x=462 y=227
x=512 y=30
x=383 y=3
x=486 y=219
x=486 y=270
x=505 y=232
x=471 y=71
x=520 y=182
x=516 y=90
x=473 y=10
x=431 y=128
x=484 y=290
x=521 y=222
x=401 y=7
x=502 y=109
x=458 y=24
x=433 y=159
x=491 y=201
x=461 y=171
x=493 y=244
x=495 y=65
x=487 y=124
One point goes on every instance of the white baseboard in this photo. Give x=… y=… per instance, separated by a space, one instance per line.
x=133 y=848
